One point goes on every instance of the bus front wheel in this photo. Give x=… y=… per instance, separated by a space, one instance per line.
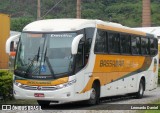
x=141 y=89
x=95 y=94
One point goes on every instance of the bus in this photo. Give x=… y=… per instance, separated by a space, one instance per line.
x=68 y=60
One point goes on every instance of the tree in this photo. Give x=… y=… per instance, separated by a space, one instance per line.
x=19 y=23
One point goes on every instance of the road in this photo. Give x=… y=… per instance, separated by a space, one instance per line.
x=117 y=102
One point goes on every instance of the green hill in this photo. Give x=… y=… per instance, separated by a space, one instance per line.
x=126 y=12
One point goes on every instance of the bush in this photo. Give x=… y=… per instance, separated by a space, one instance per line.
x=6 y=85
x=17 y=24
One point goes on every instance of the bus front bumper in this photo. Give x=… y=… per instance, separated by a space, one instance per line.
x=65 y=94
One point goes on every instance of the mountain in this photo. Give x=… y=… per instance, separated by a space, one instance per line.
x=126 y=12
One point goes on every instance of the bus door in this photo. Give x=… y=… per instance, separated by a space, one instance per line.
x=79 y=65
x=82 y=59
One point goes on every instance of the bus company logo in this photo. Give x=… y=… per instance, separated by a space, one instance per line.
x=111 y=63
x=39 y=87
x=61 y=35
x=38 y=83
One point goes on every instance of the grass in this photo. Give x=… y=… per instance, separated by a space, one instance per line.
x=26 y=102
x=151 y=111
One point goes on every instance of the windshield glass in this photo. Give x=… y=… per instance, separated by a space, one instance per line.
x=44 y=55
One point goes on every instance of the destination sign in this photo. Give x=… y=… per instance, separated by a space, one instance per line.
x=61 y=35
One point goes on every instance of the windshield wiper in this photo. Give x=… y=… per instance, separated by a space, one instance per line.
x=38 y=53
x=31 y=64
x=50 y=67
x=49 y=64
x=45 y=54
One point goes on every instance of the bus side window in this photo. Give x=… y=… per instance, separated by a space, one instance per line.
x=145 y=46
x=153 y=46
x=100 y=46
x=89 y=36
x=114 y=42
x=125 y=44
x=135 y=45
x=88 y=46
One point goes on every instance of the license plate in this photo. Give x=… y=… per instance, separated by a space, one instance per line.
x=39 y=95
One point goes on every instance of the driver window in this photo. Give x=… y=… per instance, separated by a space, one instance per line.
x=84 y=48
x=80 y=56
x=89 y=36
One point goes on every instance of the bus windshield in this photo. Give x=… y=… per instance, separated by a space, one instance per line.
x=44 y=55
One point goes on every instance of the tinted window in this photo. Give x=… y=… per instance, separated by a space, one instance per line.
x=100 y=41
x=113 y=42
x=144 y=46
x=153 y=46
x=125 y=44
x=135 y=45
x=80 y=57
x=89 y=36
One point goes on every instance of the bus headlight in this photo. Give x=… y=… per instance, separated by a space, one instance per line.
x=66 y=84
x=18 y=84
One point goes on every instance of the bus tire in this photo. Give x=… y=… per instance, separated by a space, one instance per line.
x=141 y=89
x=95 y=94
x=43 y=103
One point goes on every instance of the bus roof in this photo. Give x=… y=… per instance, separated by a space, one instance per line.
x=152 y=30
x=58 y=25
x=51 y=25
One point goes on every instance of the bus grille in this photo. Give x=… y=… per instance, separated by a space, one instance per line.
x=38 y=87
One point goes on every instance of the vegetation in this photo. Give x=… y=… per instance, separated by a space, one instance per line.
x=151 y=111
x=6 y=82
x=20 y=101
x=126 y=12
x=17 y=24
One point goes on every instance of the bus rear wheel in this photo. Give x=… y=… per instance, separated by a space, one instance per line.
x=43 y=103
x=94 y=95
x=140 y=92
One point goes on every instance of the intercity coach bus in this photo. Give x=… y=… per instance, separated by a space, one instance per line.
x=68 y=60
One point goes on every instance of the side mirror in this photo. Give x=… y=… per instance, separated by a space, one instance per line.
x=8 y=44
x=75 y=42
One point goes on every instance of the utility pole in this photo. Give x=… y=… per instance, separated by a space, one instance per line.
x=38 y=9
x=78 y=8
x=146 y=13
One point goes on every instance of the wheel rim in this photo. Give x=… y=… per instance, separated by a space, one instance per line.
x=93 y=94
x=141 y=89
